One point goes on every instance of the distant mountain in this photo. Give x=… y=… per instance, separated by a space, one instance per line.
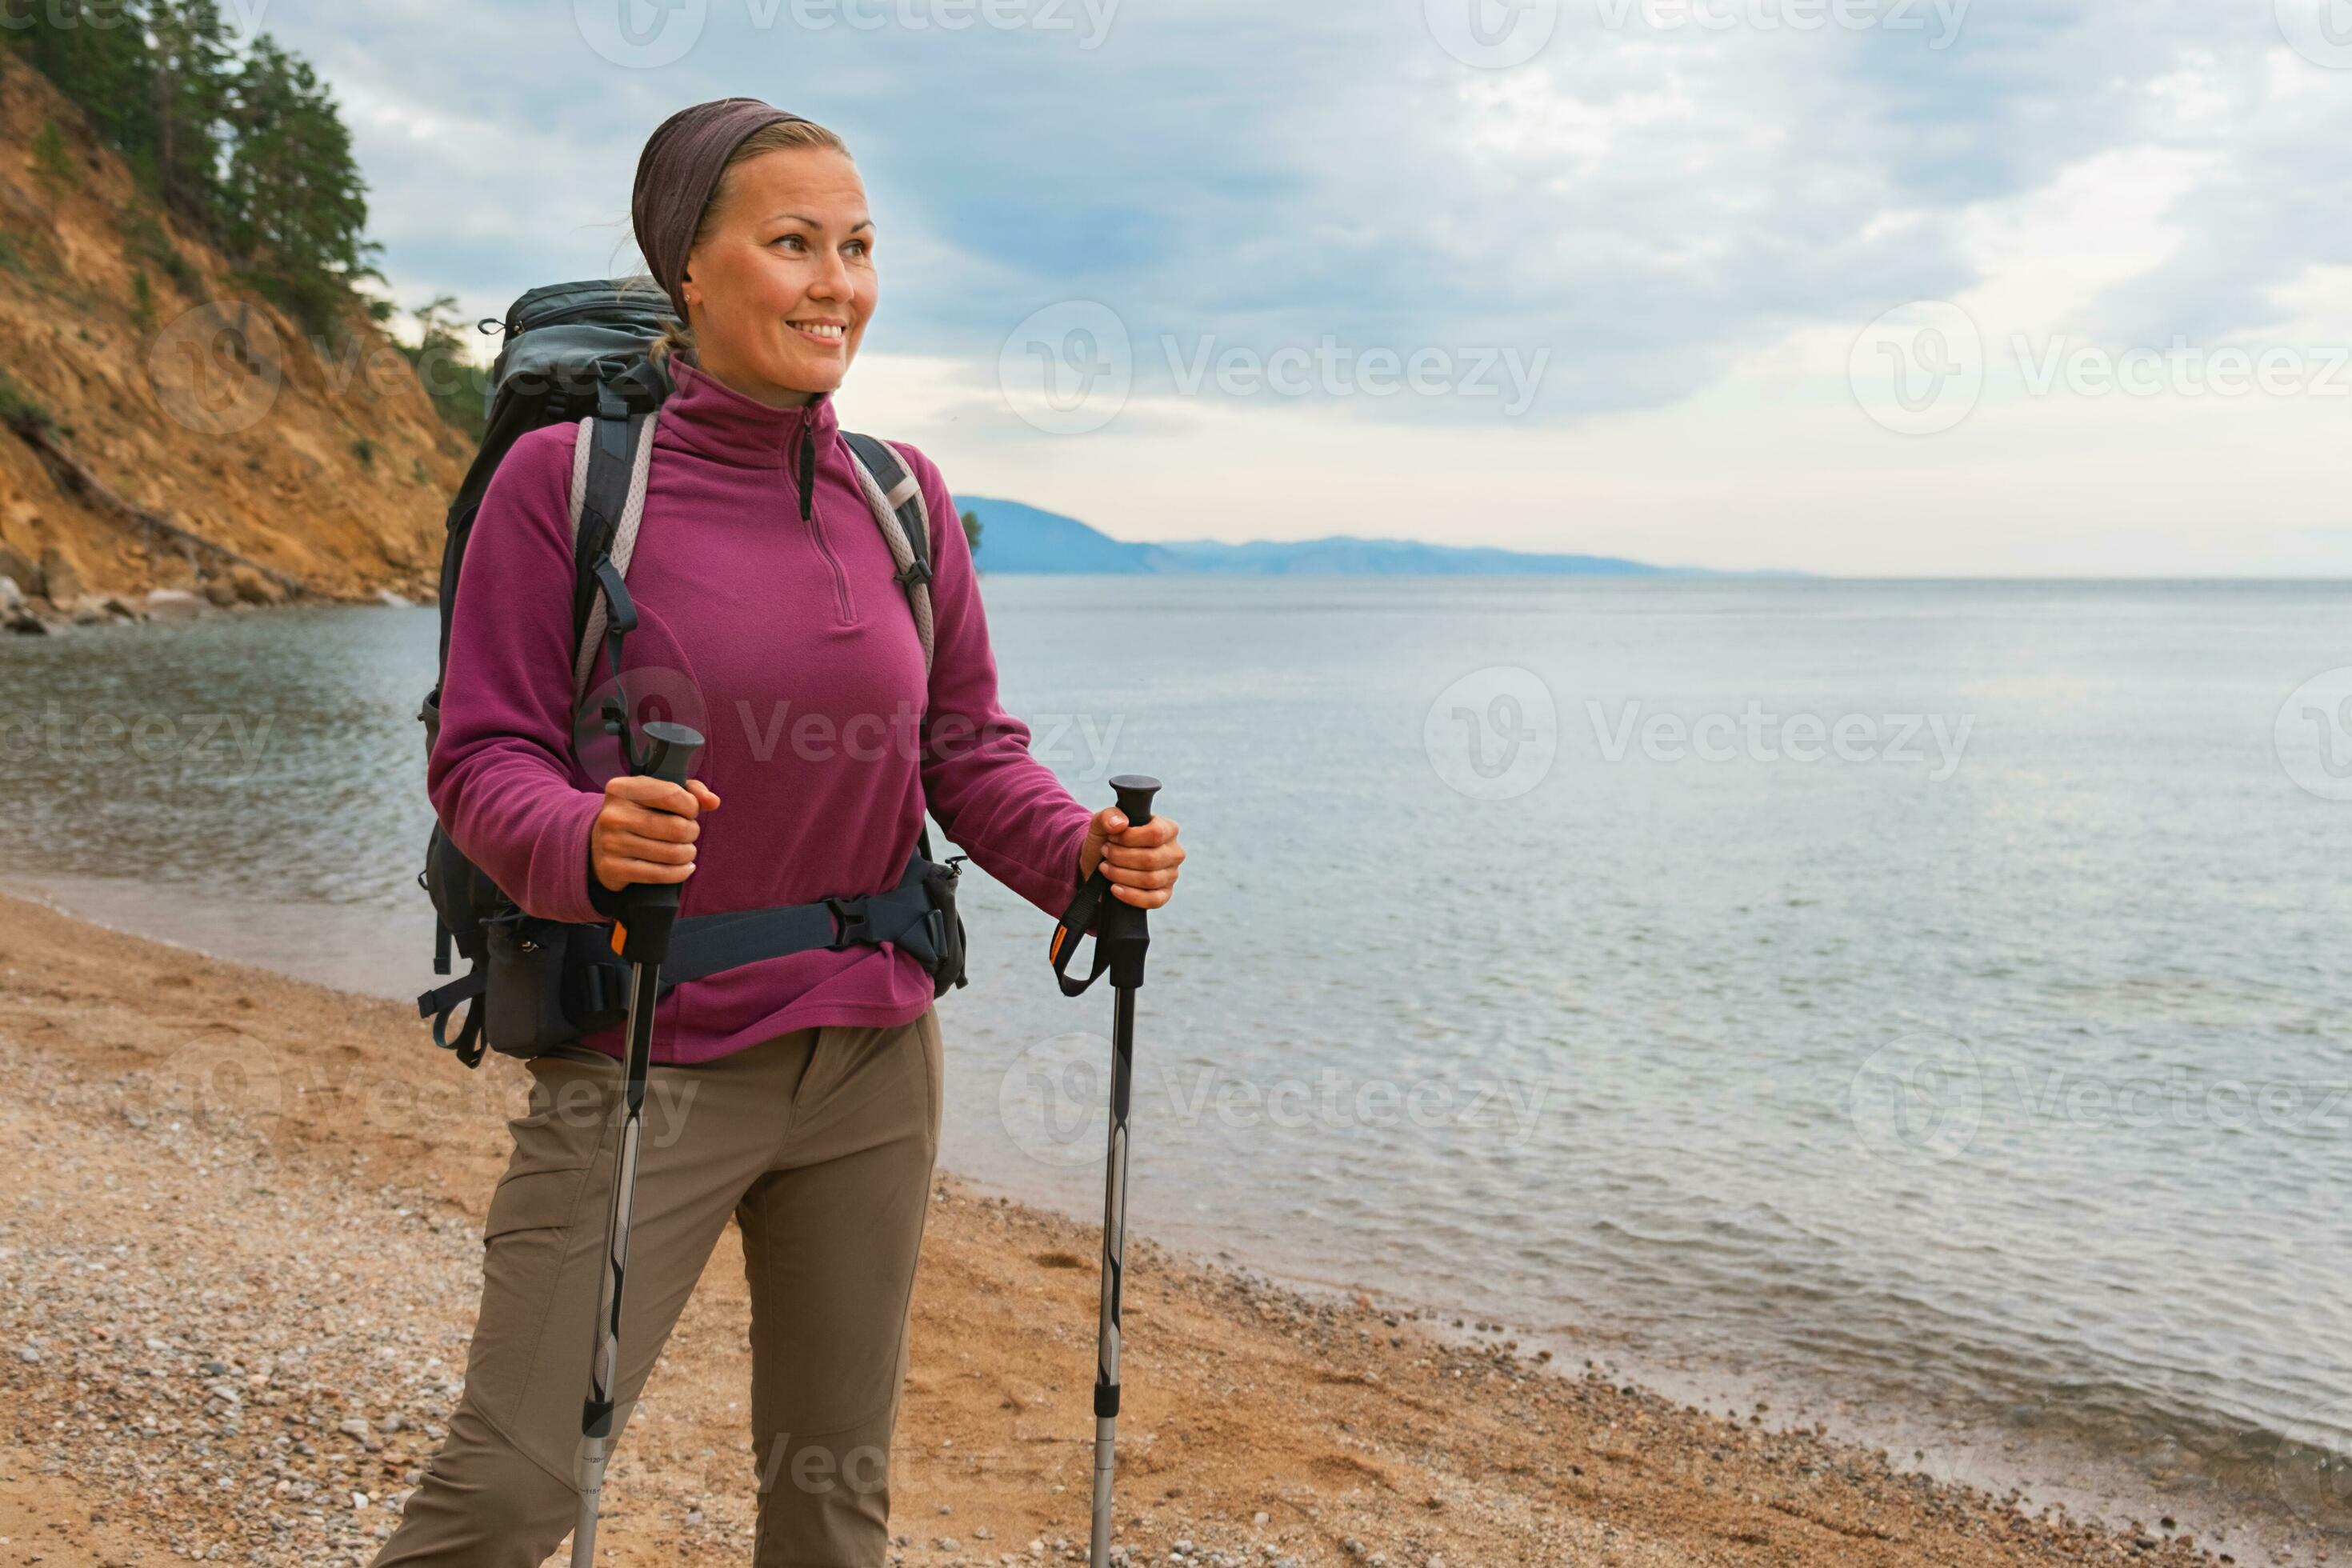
x=1345 y=553
x=1017 y=538
x=1014 y=537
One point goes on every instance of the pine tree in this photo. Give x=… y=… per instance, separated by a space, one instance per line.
x=189 y=58
x=297 y=210
x=96 y=55
x=453 y=382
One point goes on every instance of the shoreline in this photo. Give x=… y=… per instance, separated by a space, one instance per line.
x=36 y=614
x=1335 y=1416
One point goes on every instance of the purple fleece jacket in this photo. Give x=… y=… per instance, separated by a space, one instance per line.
x=791 y=645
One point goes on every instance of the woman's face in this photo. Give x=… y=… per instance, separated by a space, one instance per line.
x=780 y=290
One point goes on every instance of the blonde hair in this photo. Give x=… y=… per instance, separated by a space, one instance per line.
x=783 y=136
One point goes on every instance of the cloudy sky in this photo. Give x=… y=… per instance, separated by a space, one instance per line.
x=1876 y=287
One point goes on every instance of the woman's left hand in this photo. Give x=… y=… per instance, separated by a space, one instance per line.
x=1140 y=862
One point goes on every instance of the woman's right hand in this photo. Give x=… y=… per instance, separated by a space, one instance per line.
x=646 y=830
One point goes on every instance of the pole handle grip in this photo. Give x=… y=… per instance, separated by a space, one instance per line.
x=674 y=749
x=1121 y=932
x=641 y=933
x=1135 y=792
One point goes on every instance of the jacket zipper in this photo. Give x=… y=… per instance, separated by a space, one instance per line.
x=816 y=530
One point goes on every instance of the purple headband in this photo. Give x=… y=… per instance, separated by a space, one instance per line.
x=676 y=174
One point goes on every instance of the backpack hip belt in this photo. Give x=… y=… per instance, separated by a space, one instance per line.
x=585 y=985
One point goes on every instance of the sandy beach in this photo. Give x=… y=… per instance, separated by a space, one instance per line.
x=239 y=1256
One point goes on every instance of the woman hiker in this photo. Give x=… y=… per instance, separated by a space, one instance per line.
x=807 y=1087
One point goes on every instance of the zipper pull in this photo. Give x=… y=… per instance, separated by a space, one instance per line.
x=808 y=468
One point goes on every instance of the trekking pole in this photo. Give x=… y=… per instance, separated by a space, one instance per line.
x=641 y=936
x=1123 y=934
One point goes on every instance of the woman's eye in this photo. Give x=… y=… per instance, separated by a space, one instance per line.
x=857 y=248
x=792 y=239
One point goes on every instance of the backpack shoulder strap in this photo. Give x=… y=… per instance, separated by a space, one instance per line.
x=610 y=461
x=896 y=498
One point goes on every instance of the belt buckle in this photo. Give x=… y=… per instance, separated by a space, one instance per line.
x=848 y=926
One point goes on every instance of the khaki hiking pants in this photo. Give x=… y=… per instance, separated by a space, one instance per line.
x=821 y=1141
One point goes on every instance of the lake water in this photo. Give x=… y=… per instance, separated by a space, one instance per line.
x=1931 y=996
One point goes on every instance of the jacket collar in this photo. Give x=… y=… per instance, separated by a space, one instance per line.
x=708 y=416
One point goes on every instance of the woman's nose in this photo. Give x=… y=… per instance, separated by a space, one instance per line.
x=831 y=280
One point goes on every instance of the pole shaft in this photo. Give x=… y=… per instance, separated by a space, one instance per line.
x=1114 y=1267
x=604 y=1362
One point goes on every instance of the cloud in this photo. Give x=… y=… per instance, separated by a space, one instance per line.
x=1684 y=210
x=1654 y=194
